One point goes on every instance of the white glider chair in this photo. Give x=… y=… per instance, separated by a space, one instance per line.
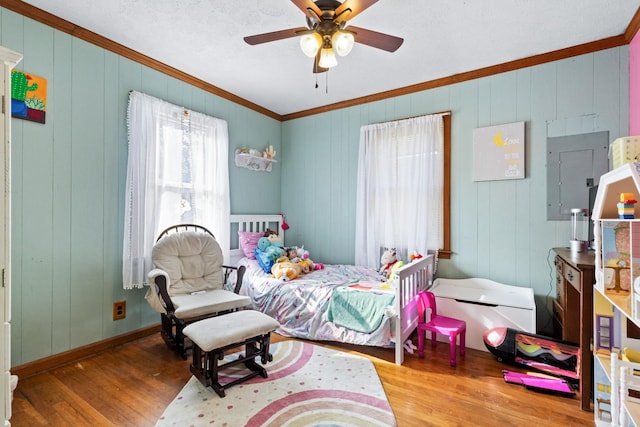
x=187 y=283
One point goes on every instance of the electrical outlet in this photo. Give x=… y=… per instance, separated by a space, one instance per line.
x=119 y=310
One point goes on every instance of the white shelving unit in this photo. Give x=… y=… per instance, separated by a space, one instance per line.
x=616 y=394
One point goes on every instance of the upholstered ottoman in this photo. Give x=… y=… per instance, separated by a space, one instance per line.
x=213 y=336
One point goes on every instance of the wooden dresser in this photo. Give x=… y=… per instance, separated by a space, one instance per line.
x=573 y=310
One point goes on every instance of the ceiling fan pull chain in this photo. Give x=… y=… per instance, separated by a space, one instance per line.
x=316 y=80
x=326 y=82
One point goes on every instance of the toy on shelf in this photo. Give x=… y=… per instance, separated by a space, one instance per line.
x=269 y=153
x=626 y=206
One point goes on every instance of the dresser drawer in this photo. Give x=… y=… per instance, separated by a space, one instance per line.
x=559 y=281
x=559 y=289
x=558 y=320
x=572 y=276
x=558 y=312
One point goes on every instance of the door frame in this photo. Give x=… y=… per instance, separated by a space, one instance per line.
x=9 y=59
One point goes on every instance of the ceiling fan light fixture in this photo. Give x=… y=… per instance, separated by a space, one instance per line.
x=328 y=32
x=310 y=43
x=327 y=58
x=343 y=42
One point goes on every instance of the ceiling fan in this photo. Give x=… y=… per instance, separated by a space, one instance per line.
x=327 y=32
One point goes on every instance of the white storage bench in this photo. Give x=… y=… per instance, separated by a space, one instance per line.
x=485 y=304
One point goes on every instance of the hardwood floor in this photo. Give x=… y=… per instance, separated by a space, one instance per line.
x=131 y=384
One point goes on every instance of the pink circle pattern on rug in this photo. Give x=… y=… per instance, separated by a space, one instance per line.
x=324 y=406
x=286 y=360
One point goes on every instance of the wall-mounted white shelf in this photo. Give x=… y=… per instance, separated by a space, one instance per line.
x=255 y=163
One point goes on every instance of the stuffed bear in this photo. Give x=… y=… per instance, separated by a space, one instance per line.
x=390 y=263
x=388 y=258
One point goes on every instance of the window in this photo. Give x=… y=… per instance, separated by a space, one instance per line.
x=402 y=202
x=177 y=173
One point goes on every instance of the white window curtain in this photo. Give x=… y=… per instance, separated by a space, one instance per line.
x=177 y=173
x=400 y=188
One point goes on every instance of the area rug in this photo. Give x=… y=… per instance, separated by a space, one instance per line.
x=308 y=385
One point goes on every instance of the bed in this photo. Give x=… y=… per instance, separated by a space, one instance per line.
x=343 y=303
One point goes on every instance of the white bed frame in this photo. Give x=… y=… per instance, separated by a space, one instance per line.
x=255 y=223
x=411 y=279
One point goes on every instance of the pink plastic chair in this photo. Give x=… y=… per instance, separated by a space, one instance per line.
x=438 y=324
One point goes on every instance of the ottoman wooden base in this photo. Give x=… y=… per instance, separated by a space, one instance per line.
x=214 y=336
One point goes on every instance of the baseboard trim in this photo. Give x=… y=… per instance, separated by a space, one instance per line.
x=48 y=363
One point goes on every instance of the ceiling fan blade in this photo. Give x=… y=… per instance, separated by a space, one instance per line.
x=303 y=5
x=317 y=69
x=276 y=35
x=356 y=7
x=376 y=39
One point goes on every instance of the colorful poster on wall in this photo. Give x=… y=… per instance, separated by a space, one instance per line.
x=28 y=96
x=498 y=152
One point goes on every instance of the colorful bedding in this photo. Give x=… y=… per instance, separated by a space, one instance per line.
x=301 y=306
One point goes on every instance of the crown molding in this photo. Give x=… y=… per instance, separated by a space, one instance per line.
x=46 y=18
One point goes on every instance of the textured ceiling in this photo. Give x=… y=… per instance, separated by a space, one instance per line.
x=204 y=38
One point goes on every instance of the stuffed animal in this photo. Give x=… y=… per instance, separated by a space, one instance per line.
x=267 y=253
x=393 y=270
x=273 y=250
x=387 y=260
x=286 y=270
x=307 y=264
x=302 y=253
x=272 y=236
x=291 y=253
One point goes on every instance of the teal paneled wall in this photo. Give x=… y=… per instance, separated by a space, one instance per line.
x=68 y=179
x=69 y=175
x=499 y=229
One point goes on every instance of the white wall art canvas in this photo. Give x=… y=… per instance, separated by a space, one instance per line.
x=498 y=152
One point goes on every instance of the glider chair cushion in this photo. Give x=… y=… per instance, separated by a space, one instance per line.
x=187 y=283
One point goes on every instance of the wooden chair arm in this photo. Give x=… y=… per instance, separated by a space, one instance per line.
x=239 y=277
x=161 y=284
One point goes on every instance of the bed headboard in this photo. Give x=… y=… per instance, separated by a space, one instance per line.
x=255 y=223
